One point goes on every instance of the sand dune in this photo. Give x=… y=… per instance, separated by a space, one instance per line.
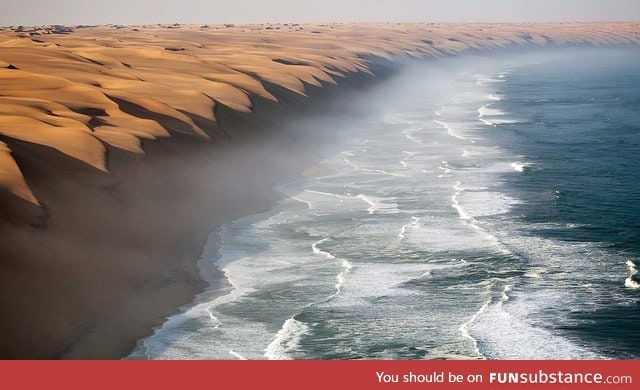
x=55 y=81
x=110 y=177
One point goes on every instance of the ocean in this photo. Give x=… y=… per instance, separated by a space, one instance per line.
x=478 y=207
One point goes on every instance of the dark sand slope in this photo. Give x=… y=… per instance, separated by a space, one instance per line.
x=121 y=148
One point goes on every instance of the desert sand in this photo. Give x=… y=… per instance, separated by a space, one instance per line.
x=121 y=147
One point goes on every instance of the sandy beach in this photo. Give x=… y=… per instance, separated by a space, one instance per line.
x=123 y=147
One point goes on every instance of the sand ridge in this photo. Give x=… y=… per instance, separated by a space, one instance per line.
x=64 y=87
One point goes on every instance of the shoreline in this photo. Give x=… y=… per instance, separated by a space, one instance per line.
x=216 y=283
x=210 y=270
x=161 y=295
x=119 y=261
x=245 y=307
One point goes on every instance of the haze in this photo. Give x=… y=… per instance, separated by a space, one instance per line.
x=36 y=12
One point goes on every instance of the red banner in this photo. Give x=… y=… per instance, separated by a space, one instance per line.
x=298 y=375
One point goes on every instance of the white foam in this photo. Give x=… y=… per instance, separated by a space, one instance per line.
x=503 y=332
x=372 y=280
x=487 y=122
x=329 y=194
x=407 y=157
x=487 y=111
x=370 y=202
x=452 y=132
x=341 y=278
x=456 y=204
x=414 y=222
x=487 y=239
x=322 y=202
x=464 y=329
x=492 y=116
x=445 y=168
x=440 y=235
x=503 y=121
x=309 y=205
x=535 y=273
x=198 y=311
x=519 y=166
x=349 y=163
x=286 y=340
x=318 y=251
x=495 y=97
x=484 y=203
x=631 y=282
x=369 y=170
x=237 y=355
x=376 y=205
x=409 y=135
x=505 y=291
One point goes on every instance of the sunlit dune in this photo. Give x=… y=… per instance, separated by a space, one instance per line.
x=60 y=87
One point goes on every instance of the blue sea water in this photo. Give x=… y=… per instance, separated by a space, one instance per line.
x=479 y=208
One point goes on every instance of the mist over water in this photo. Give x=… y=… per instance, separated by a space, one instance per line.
x=472 y=207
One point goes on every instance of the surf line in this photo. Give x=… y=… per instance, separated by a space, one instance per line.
x=464 y=329
x=632 y=281
x=405 y=228
x=470 y=221
x=452 y=132
x=292 y=330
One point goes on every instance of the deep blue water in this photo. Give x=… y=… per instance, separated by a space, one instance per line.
x=583 y=140
x=472 y=207
x=585 y=134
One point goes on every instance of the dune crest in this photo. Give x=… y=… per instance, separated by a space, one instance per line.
x=64 y=87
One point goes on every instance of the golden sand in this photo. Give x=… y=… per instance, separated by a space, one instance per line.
x=59 y=86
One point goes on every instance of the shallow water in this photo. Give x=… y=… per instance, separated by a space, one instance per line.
x=478 y=208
